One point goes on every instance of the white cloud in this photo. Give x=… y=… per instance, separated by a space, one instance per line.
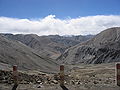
x=52 y=25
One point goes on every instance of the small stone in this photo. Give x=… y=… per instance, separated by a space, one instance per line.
x=39 y=86
x=54 y=81
x=100 y=79
x=38 y=82
x=95 y=82
x=24 y=82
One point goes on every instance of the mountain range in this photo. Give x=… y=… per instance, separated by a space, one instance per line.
x=17 y=53
x=45 y=53
x=48 y=46
x=33 y=52
x=102 y=48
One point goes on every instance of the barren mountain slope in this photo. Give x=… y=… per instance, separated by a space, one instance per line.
x=103 y=48
x=49 y=46
x=14 y=52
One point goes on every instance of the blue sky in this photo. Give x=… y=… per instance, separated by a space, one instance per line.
x=60 y=8
x=62 y=17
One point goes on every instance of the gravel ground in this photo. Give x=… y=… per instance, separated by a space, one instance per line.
x=57 y=87
x=78 y=77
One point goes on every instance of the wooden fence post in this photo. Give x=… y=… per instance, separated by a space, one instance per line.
x=118 y=74
x=15 y=77
x=61 y=75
